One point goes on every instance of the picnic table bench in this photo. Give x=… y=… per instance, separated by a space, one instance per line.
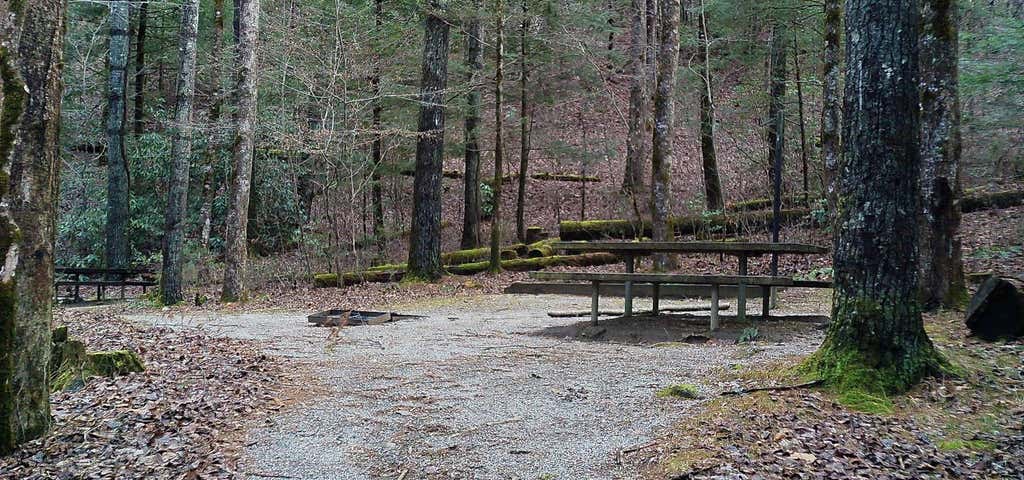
x=742 y=250
x=101 y=278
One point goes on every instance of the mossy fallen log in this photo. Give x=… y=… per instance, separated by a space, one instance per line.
x=71 y=366
x=987 y=201
x=564 y=177
x=716 y=223
x=766 y=203
x=541 y=249
x=328 y=280
x=540 y=263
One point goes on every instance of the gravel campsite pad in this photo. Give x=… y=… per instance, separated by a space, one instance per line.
x=481 y=388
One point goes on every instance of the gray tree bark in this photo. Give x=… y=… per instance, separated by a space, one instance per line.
x=776 y=127
x=177 y=194
x=31 y=59
x=664 y=118
x=876 y=341
x=499 y=147
x=471 y=194
x=210 y=156
x=524 y=128
x=377 y=149
x=712 y=184
x=831 y=108
x=117 y=162
x=636 y=142
x=236 y=253
x=139 y=105
x=941 y=265
x=425 y=237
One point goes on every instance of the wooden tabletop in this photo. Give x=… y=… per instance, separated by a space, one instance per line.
x=733 y=248
x=666 y=278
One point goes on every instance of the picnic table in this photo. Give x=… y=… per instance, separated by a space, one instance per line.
x=101 y=278
x=629 y=251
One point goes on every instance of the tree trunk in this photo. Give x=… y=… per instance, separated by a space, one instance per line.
x=30 y=93
x=632 y=180
x=942 y=275
x=712 y=184
x=117 y=162
x=524 y=129
x=177 y=194
x=831 y=112
x=662 y=154
x=236 y=251
x=140 y=70
x=474 y=64
x=377 y=149
x=776 y=126
x=803 y=130
x=499 y=54
x=876 y=341
x=210 y=156
x=425 y=239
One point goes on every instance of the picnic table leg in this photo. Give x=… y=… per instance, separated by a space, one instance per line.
x=741 y=294
x=628 y=287
x=766 y=294
x=714 y=308
x=657 y=293
x=594 y=302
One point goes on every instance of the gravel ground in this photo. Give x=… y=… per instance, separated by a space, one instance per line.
x=472 y=391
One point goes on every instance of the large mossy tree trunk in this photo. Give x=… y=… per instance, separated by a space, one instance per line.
x=471 y=191
x=499 y=147
x=117 y=161
x=942 y=274
x=236 y=249
x=181 y=155
x=713 y=199
x=876 y=341
x=664 y=113
x=30 y=100
x=830 y=102
x=636 y=141
x=425 y=239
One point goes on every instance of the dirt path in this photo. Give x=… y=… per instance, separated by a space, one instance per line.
x=475 y=391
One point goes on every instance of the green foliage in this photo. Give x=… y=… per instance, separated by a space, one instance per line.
x=999 y=252
x=682 y=390
x=748 y=335
x=969 y=445
x=486 y=200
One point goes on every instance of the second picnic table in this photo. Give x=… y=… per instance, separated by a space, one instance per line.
x=742 y=250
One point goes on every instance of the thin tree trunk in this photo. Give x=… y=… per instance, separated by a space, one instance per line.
x=831 y=111
x=776 y=127
x=474 y=64
x=662 y=151
x=425 y=238
x=803 y=130
x=117 y=162
x=177 y=195
x=377 y=149
x=140 y=69
x=210 y=156
x=632 y=180
x=499 y=54
x=942 y=274
x=712 y=184
x=30 y=93
x=236 y=251
x=876 y=341
x=524 y=129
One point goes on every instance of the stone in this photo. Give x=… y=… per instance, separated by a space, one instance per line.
x=997 y=309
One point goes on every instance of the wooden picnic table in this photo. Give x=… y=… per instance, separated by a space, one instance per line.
x=101 y=278
x=742 y=250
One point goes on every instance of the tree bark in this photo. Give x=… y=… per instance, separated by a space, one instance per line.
x=632 y=180
x=140 y=70
x=876 y=341
x=177 y=194
x=236 y=252
x=210 y=156
x=803 y=129
x=425 y=239
x=941 y=266
x=471 y=194
x=499 y=54
x=30 y=97
x=712 y=184
x=524 y=129
x=377 y=149
x=831 y=112
x=117 y=162
x=776 y=126
x=664 y=113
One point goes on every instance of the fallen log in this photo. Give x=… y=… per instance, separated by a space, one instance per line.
x=987 y=201
x=766 y=203
x=564 y=177
x=532 y=264
x=446 y=174
x=717 y=223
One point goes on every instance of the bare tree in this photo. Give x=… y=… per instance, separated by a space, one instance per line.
x=236 y=252
x=31 y=60
x=499 y=54
x=139 y=115
x=117 y=161
x=474 y=64
x=216 y=107
x=831 y=107
x=377 y=149
x=524 y=127
x=776 y=125
x=712 y=184
x=177 y=194
x=664 y=113
x=636 y=141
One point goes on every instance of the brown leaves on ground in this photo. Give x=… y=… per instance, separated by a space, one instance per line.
x=180 y=419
